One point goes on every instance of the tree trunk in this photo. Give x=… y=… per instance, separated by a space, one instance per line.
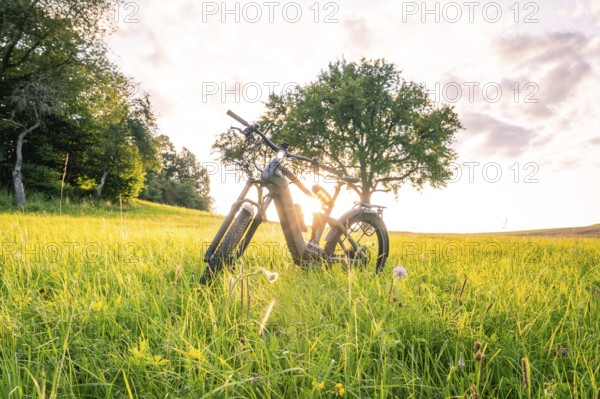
x=19 y=188
x=365 y=196
x=17 y=175
x=101 y=185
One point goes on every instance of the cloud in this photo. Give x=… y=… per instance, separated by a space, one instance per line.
x=587 y=9
x=557 y=62
x=501 y=138
x=536 y=49
x=594 y=141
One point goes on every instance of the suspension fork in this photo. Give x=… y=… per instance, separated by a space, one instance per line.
x=229 y=218
x=264 y=204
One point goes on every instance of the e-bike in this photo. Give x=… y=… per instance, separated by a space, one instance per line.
x=358 y=238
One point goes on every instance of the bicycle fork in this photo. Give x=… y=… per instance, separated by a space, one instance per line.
x=261 y=207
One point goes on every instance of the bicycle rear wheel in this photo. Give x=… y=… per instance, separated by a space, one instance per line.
x=366 y=244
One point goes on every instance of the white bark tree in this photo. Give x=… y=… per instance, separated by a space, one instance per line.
x=31 y=102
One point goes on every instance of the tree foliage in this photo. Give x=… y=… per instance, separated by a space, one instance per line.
x=59 y=95
x=248 y=156
x=366 y=121
x=181 y=181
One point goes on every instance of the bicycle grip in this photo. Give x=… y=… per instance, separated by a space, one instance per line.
x=237 y=118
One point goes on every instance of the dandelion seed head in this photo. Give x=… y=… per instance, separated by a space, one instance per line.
x=400 y=272
x=271 y=276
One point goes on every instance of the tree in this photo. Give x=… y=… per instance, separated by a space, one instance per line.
x=126 y=148
x=56 y=81
x=364 y=120
x=117 y=144
x=44 y=45
x=53 y=30
x=31 y=101
x=182 y=181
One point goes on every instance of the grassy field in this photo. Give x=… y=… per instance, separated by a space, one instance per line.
x=100 y=303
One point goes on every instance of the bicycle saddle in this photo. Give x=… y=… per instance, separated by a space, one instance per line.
x=350 y=179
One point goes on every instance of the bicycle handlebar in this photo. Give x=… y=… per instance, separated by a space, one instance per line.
x=237 y=118
x=254 y=129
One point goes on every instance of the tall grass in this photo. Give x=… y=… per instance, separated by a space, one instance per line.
x=93 y=305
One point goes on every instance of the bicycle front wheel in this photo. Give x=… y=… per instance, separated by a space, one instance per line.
x=224 y=256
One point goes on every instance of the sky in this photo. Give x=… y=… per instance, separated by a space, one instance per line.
x=523 y=77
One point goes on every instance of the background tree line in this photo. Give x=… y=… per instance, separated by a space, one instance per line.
x=67 y=114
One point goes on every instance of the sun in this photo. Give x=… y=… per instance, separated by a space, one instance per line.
x=309 y=206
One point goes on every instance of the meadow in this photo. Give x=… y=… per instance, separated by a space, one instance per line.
x=102 y=302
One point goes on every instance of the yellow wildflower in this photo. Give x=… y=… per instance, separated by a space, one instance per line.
x=339 y=389
x=194 y=353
